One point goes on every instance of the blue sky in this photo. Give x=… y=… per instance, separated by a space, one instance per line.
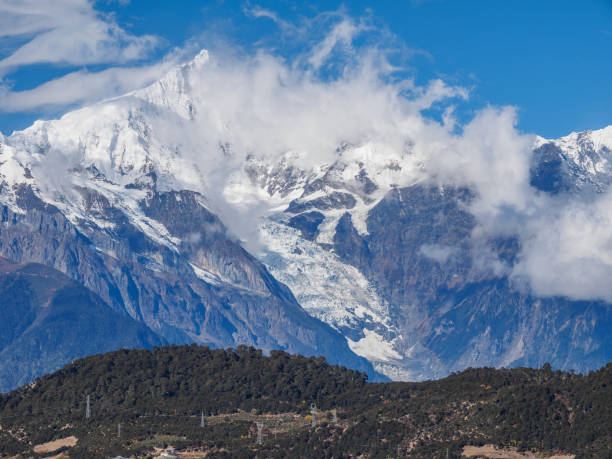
x=550 y=59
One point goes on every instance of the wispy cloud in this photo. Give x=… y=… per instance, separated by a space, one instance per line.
x=82 y=87
x=66 y=32
x=69 y=33
x=341 y=34
x=259 y=12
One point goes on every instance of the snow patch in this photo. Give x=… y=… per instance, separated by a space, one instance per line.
x=374 y=347
x=206 y=276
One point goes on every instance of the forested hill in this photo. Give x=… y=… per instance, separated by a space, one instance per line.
x=158 y=397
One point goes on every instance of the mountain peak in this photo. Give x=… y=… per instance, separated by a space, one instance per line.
x=174 y=91
x=200 y=59
x=596 y=140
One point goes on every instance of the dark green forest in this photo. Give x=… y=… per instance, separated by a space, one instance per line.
x=158 y=398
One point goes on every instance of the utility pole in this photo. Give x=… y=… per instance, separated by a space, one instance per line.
x=313 y=412
x=119 y=430
x=259 y=433
x=88 y=409
x=202 y=422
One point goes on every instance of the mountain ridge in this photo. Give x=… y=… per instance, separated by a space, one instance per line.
x=159 y=199
x=49 y=319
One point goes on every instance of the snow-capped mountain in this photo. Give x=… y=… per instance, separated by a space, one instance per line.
x=150 y=201
x=100 y=196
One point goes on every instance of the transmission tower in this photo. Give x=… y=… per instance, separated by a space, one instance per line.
x=260 y=433
x=313 y=412
x=88 y=409
x=202 y=422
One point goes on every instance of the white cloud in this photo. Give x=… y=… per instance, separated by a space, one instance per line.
x=342 y=34
x=71 y=33
x=83 y=87
x=66 y=32
x=494 y=158
x=270 y=105
x=567 y=249
x=436 y=252
x=258 y=12
x=565 y=241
